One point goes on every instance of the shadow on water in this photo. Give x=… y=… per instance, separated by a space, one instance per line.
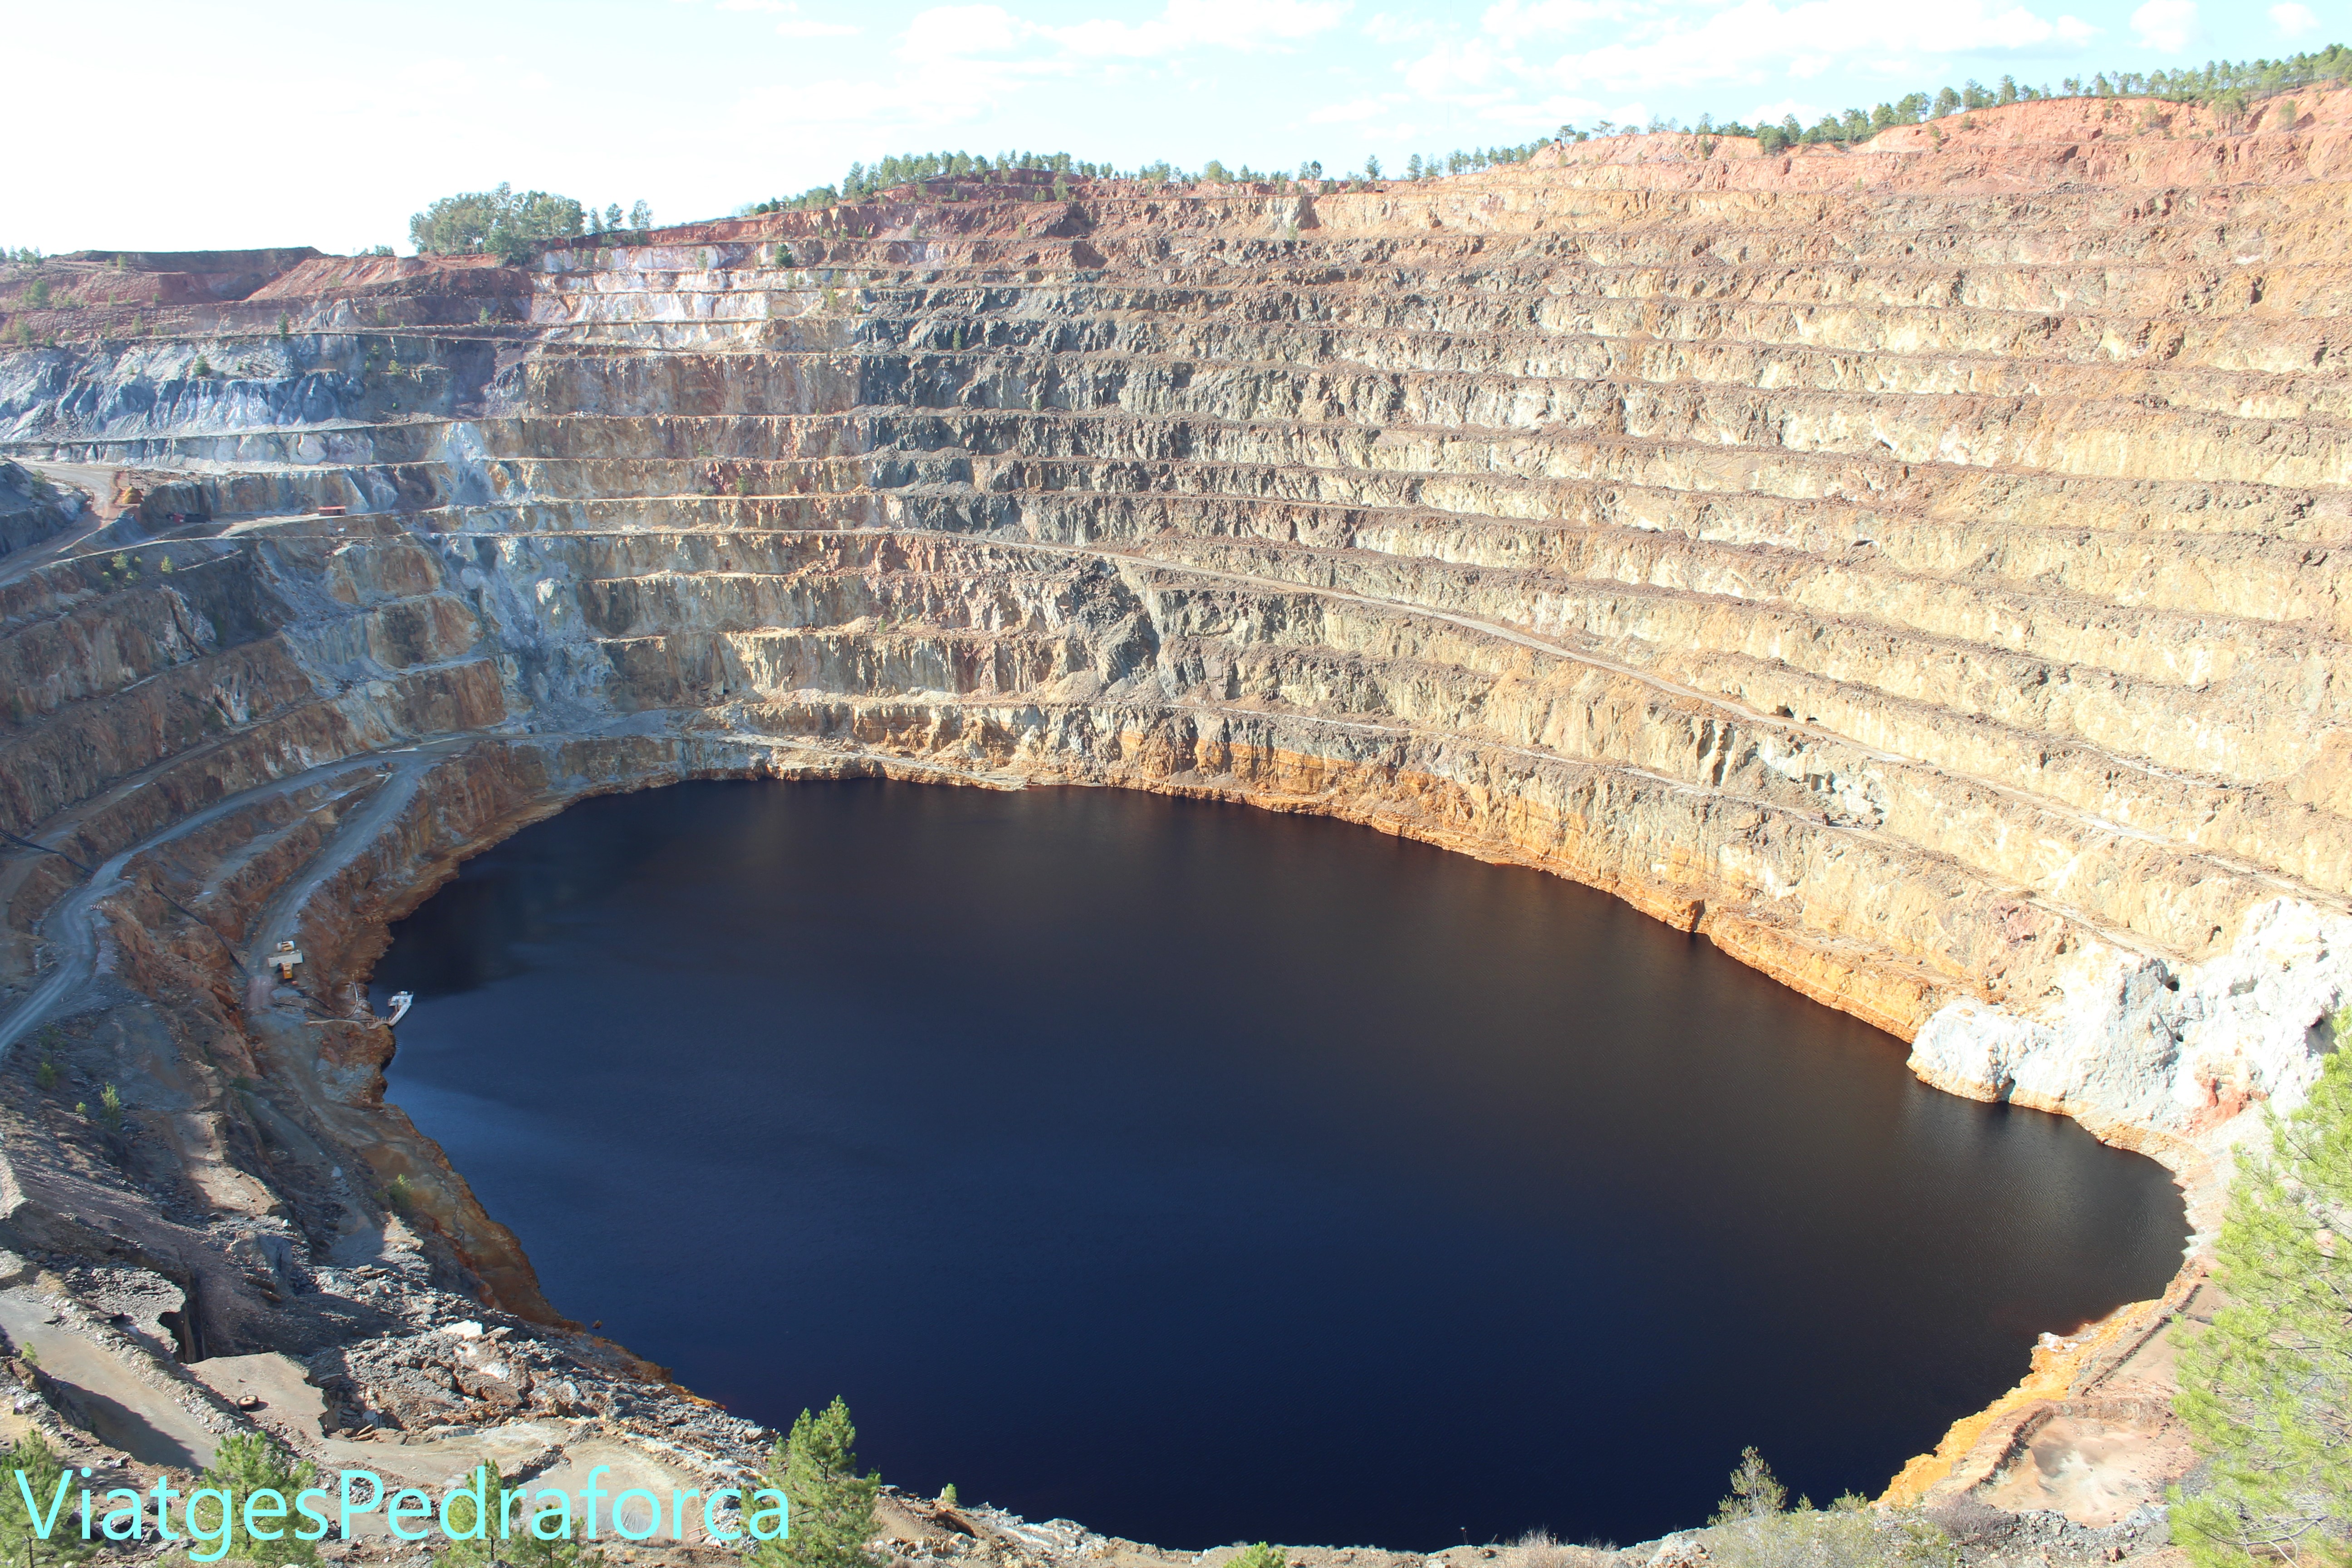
x=1204 y=1173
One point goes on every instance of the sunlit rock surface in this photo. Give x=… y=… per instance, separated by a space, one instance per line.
x=1914 y=569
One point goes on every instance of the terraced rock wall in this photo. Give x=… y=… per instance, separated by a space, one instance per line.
x=1917 y=570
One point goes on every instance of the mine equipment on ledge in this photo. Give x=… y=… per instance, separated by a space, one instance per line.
x=285 y=960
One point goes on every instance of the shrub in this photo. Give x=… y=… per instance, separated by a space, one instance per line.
x=1754 y=1527
x=1537 y=1548
x=833 y=1521
x=1258 y=1556
x=2266 y=1390
x=1844 y=1536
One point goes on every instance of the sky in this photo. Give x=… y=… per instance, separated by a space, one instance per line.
x=181 y=124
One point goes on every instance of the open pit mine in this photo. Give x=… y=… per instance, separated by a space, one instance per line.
x=1911 y=569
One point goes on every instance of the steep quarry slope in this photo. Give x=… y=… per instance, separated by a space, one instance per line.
x=1911 y=568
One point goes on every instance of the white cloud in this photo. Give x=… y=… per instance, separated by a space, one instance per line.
x=1630 y=46
x=1468 y=71
x=1353 y=112
x=952 y=32
x=2293 y=20
x=2168 y=26
x=791 y=23
x=1384 y=28
x=961 y=31
x=1512 y=21
x=1195 y=24
x=1804 y=110
x=816 y=103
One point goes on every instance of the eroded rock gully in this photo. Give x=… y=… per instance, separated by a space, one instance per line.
x=1913 y=569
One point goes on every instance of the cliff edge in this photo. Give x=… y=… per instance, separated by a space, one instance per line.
x=1910 y=567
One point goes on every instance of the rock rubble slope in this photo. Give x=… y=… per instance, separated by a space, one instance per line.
x=1915 y=569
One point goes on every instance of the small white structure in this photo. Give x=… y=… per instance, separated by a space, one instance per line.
x=400 y=1002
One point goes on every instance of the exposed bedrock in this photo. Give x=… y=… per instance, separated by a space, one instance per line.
x=1914 y=569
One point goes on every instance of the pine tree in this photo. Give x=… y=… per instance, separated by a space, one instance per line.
x=815 y=1465
x=2266 y=1390
x=21 y=1545
x=247 y=1462
x=1756 y=1491
x=521 y=1547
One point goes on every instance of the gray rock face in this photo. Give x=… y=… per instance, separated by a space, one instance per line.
x=32 y=508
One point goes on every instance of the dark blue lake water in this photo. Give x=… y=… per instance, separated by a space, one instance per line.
x=1205 y=1175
